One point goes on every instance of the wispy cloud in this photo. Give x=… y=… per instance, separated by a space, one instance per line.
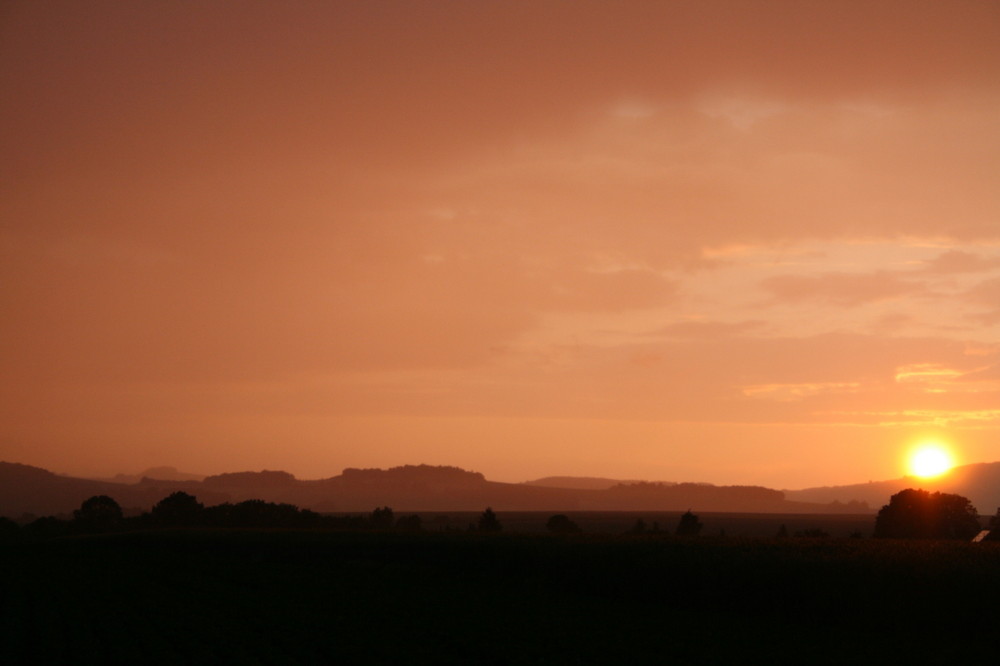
x=732 y=214
x=842 y=289
x=959 y=261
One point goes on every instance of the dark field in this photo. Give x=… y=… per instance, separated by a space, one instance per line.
x=301 y=597
x=618 y=522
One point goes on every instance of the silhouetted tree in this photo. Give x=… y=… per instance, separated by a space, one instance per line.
x=258 y=513
x=178 y=508
x=919 y=514
x=46 y=527
x=561 y=524
x=639 y=527
x=381 y=518
x=220 y=515
x=8 y=528
x=689 y=525
x=309 y=518
x=97 y=514
x=488 y=521
x=782 y=532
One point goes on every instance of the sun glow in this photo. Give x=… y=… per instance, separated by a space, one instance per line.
x=929 y=460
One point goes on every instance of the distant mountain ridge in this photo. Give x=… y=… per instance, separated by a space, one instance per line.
x=162 y=473
x=580 y=482
x=31 y=490
x=980 y=482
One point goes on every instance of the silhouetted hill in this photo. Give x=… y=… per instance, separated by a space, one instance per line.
x=31 y=490
x=162 y=473
x=979 y=482
x=264 y=479
x=704 y=497
x=451 y=476
x=578 y=482
x=25 y=489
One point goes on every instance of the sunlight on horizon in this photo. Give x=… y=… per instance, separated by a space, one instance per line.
x=930 y=459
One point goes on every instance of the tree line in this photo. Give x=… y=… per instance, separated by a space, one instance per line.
x=103 y=514
x=910 y=514
x=100 y=513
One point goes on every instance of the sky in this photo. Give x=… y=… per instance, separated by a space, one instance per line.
x=734 y=242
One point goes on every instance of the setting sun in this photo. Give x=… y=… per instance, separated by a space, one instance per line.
x=930 y=460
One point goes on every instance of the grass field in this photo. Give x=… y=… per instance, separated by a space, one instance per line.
x=617 y=522
x=302 y=597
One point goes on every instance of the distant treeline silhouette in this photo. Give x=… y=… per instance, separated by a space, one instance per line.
x=910 y=514
x=102 y=514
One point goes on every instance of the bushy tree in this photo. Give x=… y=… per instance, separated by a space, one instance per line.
x=46 y=527
x=689 y=525
x=488 y=521
x=97 y=514
x=176 y=509
x=382 y=518
x=258 y=513
x=919 y=514
x=561 y=524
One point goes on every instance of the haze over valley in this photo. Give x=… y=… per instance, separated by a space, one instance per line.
x=30 y=490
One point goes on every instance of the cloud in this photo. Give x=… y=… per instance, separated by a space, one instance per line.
x=482 y=209
x=842 y=289
x=986 y=293
x=990 y=373
x=960 y=261
x=730 y=380
x=742 y=111
x=793 y=392
x=922 y=418
x=608 y=291
x=706 y=330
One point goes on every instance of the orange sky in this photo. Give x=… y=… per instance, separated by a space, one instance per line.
x=741 y=242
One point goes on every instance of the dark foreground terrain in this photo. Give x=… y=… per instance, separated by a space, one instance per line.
x=715 y=524
x=304 y=597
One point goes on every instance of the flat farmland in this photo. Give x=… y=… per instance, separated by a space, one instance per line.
x=618 y=522
x=305 y=597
